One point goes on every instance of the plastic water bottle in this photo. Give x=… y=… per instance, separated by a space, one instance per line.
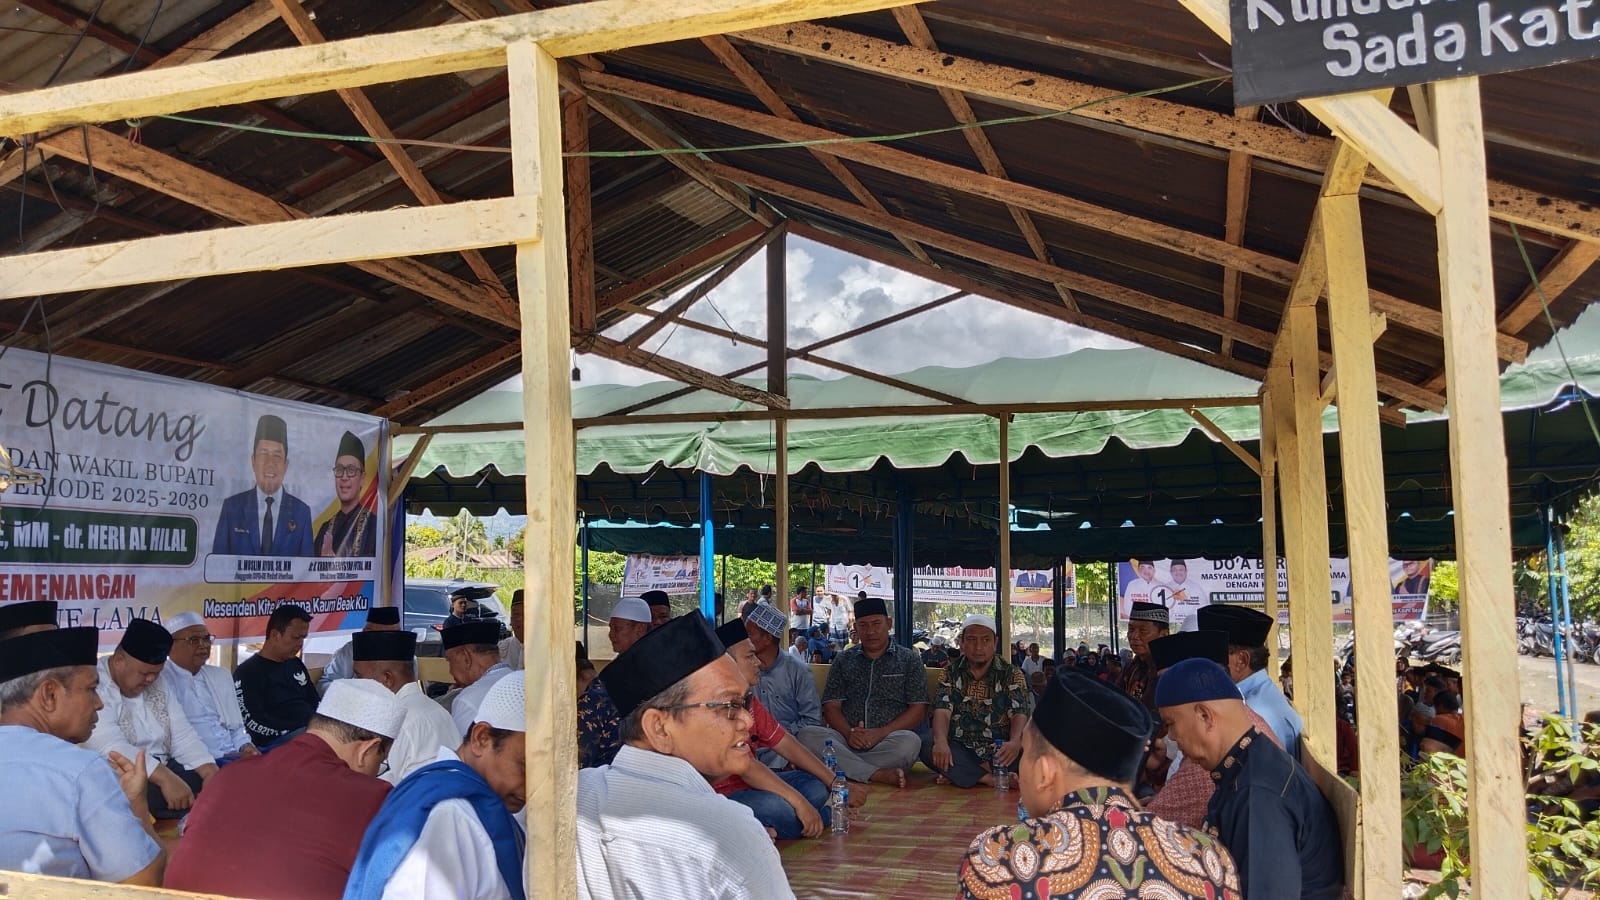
x=999 y=770
x=1022 y=813
x=839 y=804
x=829 y=757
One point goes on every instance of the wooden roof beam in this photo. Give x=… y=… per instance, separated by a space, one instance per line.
x=1233 y=220
x=916 y=31
x=1109 y=109
x=684 y=265
x=579 y=193
x=600 y=345
x=1197 y=246
x=480 y=365
x=660 y=320
x=361 y=106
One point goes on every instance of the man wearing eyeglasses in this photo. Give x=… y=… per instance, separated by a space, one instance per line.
x=353 y=529
x=205 y=691
x=650 y=820
x=266 y=520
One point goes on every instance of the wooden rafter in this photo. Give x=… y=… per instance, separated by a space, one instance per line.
x=361 y=106
x=681 y=266
x=916 y=31
x=860 y=412
x=1146 y=117
x=481 y=364
x=694 y=295
x=1198 y=246
x=753 y=82
x=600 y=345
x=580 y=215
x=1233 y=222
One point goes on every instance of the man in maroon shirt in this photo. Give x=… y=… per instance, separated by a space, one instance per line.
x=287 y=824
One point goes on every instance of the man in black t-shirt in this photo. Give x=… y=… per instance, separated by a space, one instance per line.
x=275 y=690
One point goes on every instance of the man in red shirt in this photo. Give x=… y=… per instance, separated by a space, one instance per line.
x=287 y=824
x=790 y=804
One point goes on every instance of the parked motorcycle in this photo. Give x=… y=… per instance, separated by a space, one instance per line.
x=1443 y=647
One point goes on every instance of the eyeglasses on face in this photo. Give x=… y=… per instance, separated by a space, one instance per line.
x=729 y=708
x=198 y=640
x=347 y=471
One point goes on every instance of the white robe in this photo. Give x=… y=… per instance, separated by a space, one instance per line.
x=130 y=724
x=210 y=704
x=464 y=709
x=452 y=858
x=511 y=653
x=427 y=729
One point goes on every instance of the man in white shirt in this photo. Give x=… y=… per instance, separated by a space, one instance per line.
x=139 y=716
x=205 y=692
x=449 y=832
x=390 y=659
x=649 y=823
x=379 y=618
x=800 y=611
x=473 y=651
x=1142 y=589
x=511 y=647
x=1032 y=662
x=67 y=811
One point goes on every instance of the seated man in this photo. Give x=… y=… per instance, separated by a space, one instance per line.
x=449 y=830
x=790 y=804
x=389 y=658
x=1247 y=665
x=874 y=703
x=786 y=688
x=379 y=618
x=1084 y=835
x=235 y=842
x=660 y=607
x=1266 y=810
x=982 y=700
x=599 y=723
x=936 y=656
x=139 y=717
x=473 y=651
x=67 y=812
x=1188 y=789
x=205 y=691
x=17 y=619
x=275 y=690
x=650 y=819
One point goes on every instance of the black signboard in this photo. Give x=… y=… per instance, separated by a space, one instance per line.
x=1288 y=49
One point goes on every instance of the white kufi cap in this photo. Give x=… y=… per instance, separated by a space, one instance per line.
x=505 y=706
x=183 y=620
x=631 y=609
x=979 y=619
x=364 y=704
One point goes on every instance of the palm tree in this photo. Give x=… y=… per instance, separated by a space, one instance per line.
x=465 y=534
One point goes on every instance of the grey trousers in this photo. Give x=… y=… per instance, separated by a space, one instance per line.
x=897 y=751
x=965 y=766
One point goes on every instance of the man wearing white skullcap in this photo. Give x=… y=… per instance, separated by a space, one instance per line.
x=979 y=711
x=288 y=824
x=205 y=691
x=599 y=725
x=449 y=830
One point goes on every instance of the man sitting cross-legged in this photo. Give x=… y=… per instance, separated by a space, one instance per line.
x=982 y=701
x=874 y=704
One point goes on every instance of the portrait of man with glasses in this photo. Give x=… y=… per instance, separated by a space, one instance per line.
x=352 y=531
x=265 y=520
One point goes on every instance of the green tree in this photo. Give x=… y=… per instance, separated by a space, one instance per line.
x=424 y=536
x=465 y=534
x=1444 y=587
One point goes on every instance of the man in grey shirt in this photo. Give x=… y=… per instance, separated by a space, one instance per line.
x=874 y=704
x=786 y=689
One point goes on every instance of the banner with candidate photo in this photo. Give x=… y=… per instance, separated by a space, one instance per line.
x=1185 y=585
x=932 y=584
x=674 y=574
x=134 y=495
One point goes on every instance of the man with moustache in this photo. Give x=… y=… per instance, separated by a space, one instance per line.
x=205 y=691
x=265 y=520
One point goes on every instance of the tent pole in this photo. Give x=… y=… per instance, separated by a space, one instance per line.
x=708 y=552
x=723 y=581
x=1112 y=596
x=1566 y=624
x=778 y=383
x=903 y=509
x=1555 y=606
x=1002 y=571
x=583 y=538
x=1058 y=608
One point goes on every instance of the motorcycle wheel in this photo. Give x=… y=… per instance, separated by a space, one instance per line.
x=1451 y=657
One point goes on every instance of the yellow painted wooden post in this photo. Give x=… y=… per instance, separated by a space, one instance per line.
x=1310 y=584
x=1003 y=572
x=1269 y=527
x=1366 y=524
x=1279 y=406
x=1495 y=785
x=549 y=443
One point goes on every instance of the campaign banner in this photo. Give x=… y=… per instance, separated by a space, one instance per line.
x=141 y=496
x=674 y=574
x=930 y=584
x=1185 y=585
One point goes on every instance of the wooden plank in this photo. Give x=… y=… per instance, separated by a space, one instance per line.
x=1233 y=220
x=50 y=887
x=905 y=411
x=549 y=445
x=402 y=475
x=1558 y=276
x=256 y=248
x=1021 y=196
x=1279 y=395
x=1269 y=522
x=1221 y=436
x=481 y=364
x=1141 y=118
x=1361 y=465
x=780 y=509
x=580 y=219
x=594 y=27
x=1483 y=532
x=600 y=345
x=1310 y=583
x=681 y=266
x=1003 y=569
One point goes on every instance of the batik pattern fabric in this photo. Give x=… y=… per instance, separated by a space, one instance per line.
x=1139 y=681
x=599 y=727
x=1097 y=845
x=981 y=708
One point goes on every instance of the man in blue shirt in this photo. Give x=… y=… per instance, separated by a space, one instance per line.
x=786 y=688
x=68 y=812
x=1247 y=663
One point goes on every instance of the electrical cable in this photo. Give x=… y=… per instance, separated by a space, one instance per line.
x=1555 y=336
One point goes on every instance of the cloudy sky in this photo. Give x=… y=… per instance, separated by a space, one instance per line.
x=832 y=292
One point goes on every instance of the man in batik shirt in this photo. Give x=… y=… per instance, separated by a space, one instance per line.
x=982 y=702
x=1146 y=622
x=1086 y=836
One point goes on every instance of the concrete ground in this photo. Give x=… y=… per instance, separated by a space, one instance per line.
x=1538 y=677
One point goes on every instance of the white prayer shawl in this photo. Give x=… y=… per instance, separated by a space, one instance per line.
x=427 y=729
x=153 y=722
